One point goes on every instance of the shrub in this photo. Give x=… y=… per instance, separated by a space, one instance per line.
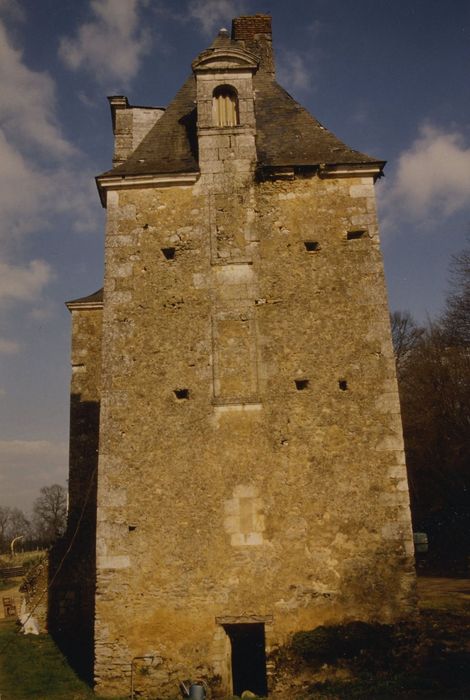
x=329 y=643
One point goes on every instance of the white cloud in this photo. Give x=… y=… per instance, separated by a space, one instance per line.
x=293 y=72
x=32 y=196
x=23 y=283
x=432 y=179
x=27 y=104
x=45 y=312
x=26 y=466
x=112 y=45
x=8 y=347
x=212 y=15
x=22 y=449
x=12 y=9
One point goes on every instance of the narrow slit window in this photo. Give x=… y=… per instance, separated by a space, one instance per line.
x=181 y=394
x=301 y=384
x=225 y=106
x=355 y=235
x=343 y=385
x=311 y=246
x=169 y=253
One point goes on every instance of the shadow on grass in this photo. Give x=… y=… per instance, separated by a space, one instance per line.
x=33 y=667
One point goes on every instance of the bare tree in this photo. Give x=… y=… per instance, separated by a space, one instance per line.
x=50 y=512
x=19 y=524
x=456 y=318
x=433 y=367
x=434 y=385
x=13 y=522
x=5 y=514
x=405 y=336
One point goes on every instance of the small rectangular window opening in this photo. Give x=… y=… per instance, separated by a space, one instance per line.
x=355 y=235
x=181 y=394
x=169 y=253
x=343 y=385
x=301 y=384
x=132 y=528
x=311 y=246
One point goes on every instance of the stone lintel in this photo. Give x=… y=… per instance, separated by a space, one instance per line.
x=244 y=619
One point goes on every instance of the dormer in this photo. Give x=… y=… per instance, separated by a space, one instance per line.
x=224 y=85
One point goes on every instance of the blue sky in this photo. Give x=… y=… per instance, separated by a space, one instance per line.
x=388 y=77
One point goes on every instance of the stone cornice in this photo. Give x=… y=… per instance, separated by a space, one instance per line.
x=323 y=170
x=83 y=305
x=374 y=170
x=119 y=182
x=225 y=59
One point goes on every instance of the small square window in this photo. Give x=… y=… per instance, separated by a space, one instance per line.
x=169 y=253
x=343 y=385
x=355 y=235
x=311 y=246
x=181 y=394
x=301 y=384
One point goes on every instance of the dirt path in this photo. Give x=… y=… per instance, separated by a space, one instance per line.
x=444 y=593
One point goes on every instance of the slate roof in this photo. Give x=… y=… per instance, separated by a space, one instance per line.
x=287 y=135
x=95 y=298
x=171 y=145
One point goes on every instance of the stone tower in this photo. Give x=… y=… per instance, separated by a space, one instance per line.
x=251 y=478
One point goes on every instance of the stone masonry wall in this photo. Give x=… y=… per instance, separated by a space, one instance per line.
x=131 y=124
x=251 y=456
x=72 y=569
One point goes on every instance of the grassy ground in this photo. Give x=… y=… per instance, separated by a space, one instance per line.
x=22 y=558
x=32 y=667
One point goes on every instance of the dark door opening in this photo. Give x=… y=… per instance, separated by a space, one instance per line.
x=248 y=658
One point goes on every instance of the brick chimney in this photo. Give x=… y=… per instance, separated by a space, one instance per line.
x=256 y=32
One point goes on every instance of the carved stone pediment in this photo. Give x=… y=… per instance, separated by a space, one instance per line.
x=225 y=59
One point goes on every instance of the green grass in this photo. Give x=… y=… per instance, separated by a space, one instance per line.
x=32 y=667
x=22 y=558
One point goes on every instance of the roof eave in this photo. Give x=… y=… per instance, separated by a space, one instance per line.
x=372 y=168
x=324 y=170
x=108 y=181
x=83 y=305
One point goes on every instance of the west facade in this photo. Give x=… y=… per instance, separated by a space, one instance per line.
x=236 y=437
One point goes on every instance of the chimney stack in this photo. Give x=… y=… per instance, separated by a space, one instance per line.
x=256 y=32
